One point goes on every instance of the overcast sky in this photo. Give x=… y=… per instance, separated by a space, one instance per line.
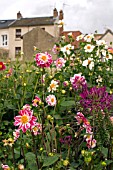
x=84 y=15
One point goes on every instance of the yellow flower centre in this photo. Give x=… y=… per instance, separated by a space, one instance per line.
x=89 y=61
x=88 y=47
x=8 y=169
x=52 y=86
x=44 y=57
x=67 y=48
x=35 y=129
x=24 y=119
x=88 y=36
x=0 y=66
x=107 y=56
x=52 y=100
x=35 y=101
x=59 y=62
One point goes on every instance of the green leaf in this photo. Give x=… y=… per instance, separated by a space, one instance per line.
x=104 y=151
x=50 y=160
x=108 y=162
x=57 y=116
x=67 y=103
x=32 y=166
x=30 y=156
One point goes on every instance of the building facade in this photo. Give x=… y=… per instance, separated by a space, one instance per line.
x=13 y=31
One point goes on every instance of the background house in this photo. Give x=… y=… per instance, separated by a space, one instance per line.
x=39 y=38
x=107 y=36
x=74 y=35
x=12 y=33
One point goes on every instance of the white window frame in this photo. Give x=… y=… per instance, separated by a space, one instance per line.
x=4 y=40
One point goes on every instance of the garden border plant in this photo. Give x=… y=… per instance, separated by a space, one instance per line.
x=58 y=114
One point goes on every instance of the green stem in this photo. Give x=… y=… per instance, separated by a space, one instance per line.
x=35 y=150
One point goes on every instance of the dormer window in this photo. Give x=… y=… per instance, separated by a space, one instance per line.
x=18 y=33
x=4 y=40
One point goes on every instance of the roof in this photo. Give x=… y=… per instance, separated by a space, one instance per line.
x=107 y=31
x=38 y=21
x=22 y=22
x=5 y=23
x=75 y=34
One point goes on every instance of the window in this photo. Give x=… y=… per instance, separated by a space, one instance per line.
x=17 y=51
x=18 y=33
x=43 y=28
x=4 y=40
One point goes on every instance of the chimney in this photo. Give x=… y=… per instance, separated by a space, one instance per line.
x=61 y=15
x=55 y=13
x=19 y=15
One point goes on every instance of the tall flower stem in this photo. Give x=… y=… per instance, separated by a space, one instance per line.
x=22 y=149
x=35 y=150
x=13 y=155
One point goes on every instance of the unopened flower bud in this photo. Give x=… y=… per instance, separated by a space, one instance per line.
x=65 y=162
x=63 y=91
x=21 y=167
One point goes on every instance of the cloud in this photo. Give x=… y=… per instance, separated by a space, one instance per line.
x=84 y=15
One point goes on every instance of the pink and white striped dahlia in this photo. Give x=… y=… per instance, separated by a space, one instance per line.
x=25 y=120
x=51 y=100
x=80 y=118
x=43 y=59
x=5 y=167
x=27 y=107
x=55 y=49
x=91 y=143
x=16 y=134
x=36 y=101
x=60 y=62
x=78 y=81
x=37 y=129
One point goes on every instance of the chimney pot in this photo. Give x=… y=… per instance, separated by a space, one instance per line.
x=19 y=15
x=55 y=13
x=61 y=17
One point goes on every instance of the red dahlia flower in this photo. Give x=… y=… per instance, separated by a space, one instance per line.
x=2 y=66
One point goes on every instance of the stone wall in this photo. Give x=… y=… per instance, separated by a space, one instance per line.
x=39 y=38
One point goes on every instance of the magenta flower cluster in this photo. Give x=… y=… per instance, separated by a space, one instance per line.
x=96 y=98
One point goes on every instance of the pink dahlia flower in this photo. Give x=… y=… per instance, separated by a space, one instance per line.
x=60 y=62
x=56 y=49
x=27 y=107
x=9 y=73
x=91 y=143
x=16 y=134
x=85 y=123
x=37 y=129
x=51 y=100
x=43 y=59
x=80 y=118
x=36 y=101
x=25 y=120
x=5 y=167
x=78 y=81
